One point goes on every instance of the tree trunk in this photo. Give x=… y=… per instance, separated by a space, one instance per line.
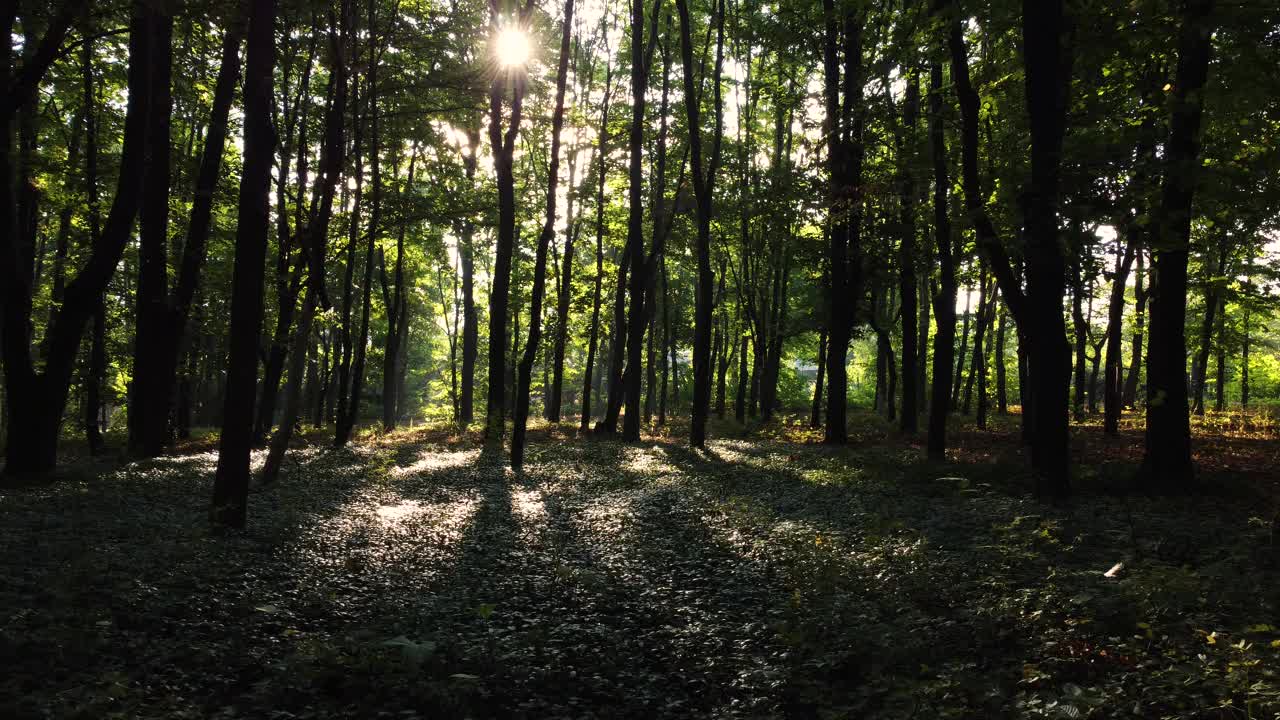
x=1130 y=398
x=1168 y=443
x=1213 y=299
x=815 y=413
x=944 y=297
x=1002 y=391
x=466 y=258
x=704 y=179
x=907 y=283
x=1047 y=54
x=602 y=153
x=503 y=144
x=231 y=481
x=313 y=246
x=843 y=127
x=35 y=401
x=544 y=242
x=958 y=383
x=1115 y=319
x=149 y=393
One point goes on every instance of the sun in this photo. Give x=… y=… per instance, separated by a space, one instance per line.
x=512 y=47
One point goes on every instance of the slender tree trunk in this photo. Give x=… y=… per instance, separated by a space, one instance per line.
x=815 y=413
x=704 y=192
x=979 y=336
x=1115 y=319
x=314 y=245
x=964 y=349
x=466 y=258
x=544 y=242
x=1130 y=398
x=97 y=365
x=602 y=153
x=149 y=392
x=231 y=481
x=1212 y=301
x=1167 y=460
x=1081 y=327
x=1244 y=362
x=907 y=283
x=843 y=127
x=503 y=144
x=1047 y=54
x=1002 y=392
x=1220 y=384
x=944 y=297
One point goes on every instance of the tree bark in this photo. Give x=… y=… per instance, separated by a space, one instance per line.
x=944 y=297
x=1047 y=56
x=544 y=241
x=35 y=401
x=1167 y=460
x=231 y=481
x=704 y=179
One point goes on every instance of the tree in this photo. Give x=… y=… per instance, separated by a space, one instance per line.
x=1167 y=459
x=231 y=481
x=544 y=241
x=704 y=180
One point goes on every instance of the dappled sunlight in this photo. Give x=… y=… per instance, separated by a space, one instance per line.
x=434 y=460
x=528 y=505
x=653 y=461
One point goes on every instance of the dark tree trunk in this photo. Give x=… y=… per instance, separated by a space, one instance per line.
x=667 y=342
x=1213 y=298
x=313 y=245
x=1080 y=326
x=97 y=365
x=641 y=281
x=844 y=176
x=149 y=393
x=1002 y=387
x=815 y=413
x=1244 y=363
x=470 y=320
x=395 y=303
x=979 y=348
x=1047 y=55
x=907 y=283
x=704 y=180
x=346 y=425
x=922 y=344
x=1167 y=460
x=944 y=297
x=602 y=153
x=958 y=383
x=231 y=482
x=1115 y=319
x=544 y=242
x=35 y=401
x=1220 y=384
x=1130 y=398
x=503 y=144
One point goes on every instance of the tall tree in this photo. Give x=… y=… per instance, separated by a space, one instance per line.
x=231 y=481
x=704 y=181
x=544 y=241
x=1167 y=460
x=35 y=400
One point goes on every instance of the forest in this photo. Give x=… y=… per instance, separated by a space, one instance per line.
x=640 y=358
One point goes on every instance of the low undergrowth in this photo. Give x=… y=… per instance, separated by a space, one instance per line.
x=413 y=575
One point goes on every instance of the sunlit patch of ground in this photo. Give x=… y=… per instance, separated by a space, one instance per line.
x=431 y=460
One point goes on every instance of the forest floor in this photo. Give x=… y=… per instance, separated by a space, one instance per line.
x=412 y=575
